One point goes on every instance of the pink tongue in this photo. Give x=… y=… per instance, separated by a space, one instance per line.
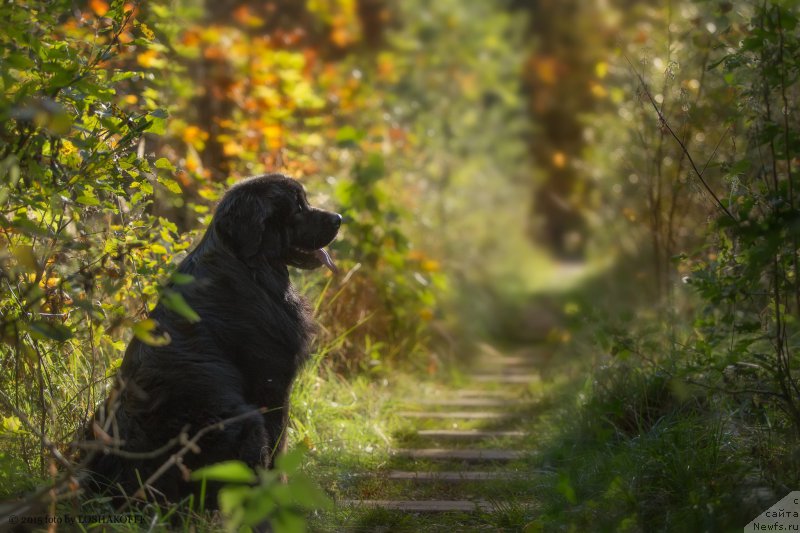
x=323 y=255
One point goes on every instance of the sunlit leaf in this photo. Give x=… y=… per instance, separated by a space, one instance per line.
x=164 y=163
x=175 y=301
x=170 y=184
x=145 y=331
x=227 y=472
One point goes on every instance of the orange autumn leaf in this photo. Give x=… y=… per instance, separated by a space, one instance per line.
x=245 y=17
x=183 y=178
x=100 y=7
x=192 y=133
x=386 y=68
x=546 y=69
x=341 y=34
x=597 y=90
x=214 y=52
x=130 y=7
x=125 y=37
x=190 y=38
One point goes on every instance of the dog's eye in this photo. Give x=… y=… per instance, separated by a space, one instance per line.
x=300 y=206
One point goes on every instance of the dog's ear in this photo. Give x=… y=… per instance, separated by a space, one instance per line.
x=241 y=220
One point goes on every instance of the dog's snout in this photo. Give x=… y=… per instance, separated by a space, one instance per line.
x=337 y=220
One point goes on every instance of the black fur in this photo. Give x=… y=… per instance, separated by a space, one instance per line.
x=242 y=355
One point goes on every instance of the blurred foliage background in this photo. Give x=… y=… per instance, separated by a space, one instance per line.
x=635 y=162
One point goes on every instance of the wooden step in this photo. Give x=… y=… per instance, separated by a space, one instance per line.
x=478 y=393
x=399 y=475
x=460 y=455
x=422 y=506
x=468 y=433
x=465 y=415
x=506 y=378
x=505 y=362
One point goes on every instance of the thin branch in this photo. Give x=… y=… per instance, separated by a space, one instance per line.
x=190 y=445
x=685 y=150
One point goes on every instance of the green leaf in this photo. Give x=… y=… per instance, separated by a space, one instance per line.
x=288 y=522
x=564 y=487
x=170 y=184
x=290 y=461
x=144 y=330
x=174 y=301
x=307 y=494
x=165 y=164
x=87 y=200
x=259 y=505
x=156 y=125
x=348 y=136
x=123 y=75
x=226 y=472
x=178 y=278
x=232 y=500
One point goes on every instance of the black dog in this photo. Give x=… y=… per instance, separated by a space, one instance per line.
x=240 y=356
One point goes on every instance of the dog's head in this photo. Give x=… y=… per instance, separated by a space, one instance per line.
x=269 y=218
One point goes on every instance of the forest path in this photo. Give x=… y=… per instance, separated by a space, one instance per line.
x=467 y=453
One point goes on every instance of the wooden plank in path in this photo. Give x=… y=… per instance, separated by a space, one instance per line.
x=501 y=361
x=467 y=402
x=399 y=475
x=423 y=506
x=460 y=455
x=505 y=378
x=468 y=433
x=499 y=394
x=466 y=415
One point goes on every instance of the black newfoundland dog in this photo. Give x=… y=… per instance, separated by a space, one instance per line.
x=241 y=356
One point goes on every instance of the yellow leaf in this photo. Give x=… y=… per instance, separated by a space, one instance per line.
x=50 y=283
x=192 y=163
x=430 y=265
x=147 y=32
x=149 y=58
x=11 y=424
x=193 y=133
x=232 y=148
x=598 y=91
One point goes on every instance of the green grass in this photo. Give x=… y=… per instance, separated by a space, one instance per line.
x=353 y=427
x=614 y=448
